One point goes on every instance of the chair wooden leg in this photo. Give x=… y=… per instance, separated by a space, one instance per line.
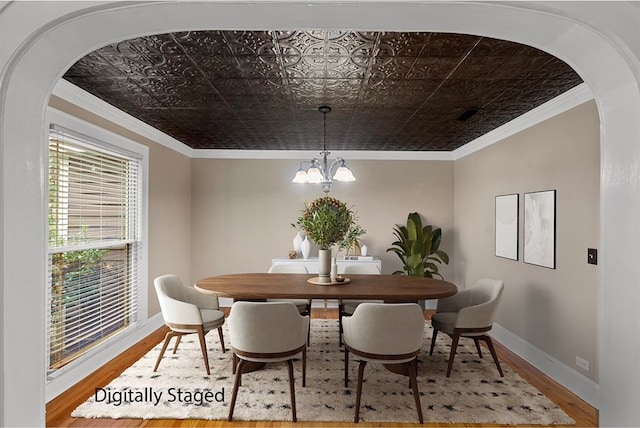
x=415 y=366
x=235 y=361
x=292 y=389
x=304 y=366
x=414 y=385
x=346 y=367
x=167 y=339
x=308 y=312
x=203 y=346
x=433 y=340
x=452 y=354
x=477 y=342
x=175 y=347
x=340 y=314
x=236 y=385
x=363 y=363
x=489 y=342
x=221 y=336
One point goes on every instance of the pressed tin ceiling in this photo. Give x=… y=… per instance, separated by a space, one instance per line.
x=260 y=90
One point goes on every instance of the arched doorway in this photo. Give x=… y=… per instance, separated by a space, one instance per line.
x=72 y=30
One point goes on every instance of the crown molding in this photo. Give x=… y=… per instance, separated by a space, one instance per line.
x=309 y=154
x=566 y=101
x=83 y=99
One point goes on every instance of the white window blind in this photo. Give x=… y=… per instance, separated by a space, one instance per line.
x=95 y=241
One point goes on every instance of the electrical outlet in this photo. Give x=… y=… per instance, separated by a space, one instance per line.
x=582 y=363
x=592 y=256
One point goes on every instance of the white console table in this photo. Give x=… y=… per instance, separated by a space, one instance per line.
x=312 y=266
x=312 y=263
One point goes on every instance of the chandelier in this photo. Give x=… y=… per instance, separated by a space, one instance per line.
x=319 y=170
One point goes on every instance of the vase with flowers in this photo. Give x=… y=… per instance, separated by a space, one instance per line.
x=326 y=221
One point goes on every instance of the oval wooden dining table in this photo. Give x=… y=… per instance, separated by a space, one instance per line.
x=390 y=288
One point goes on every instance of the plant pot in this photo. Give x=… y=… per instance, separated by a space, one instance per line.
x=324 y=266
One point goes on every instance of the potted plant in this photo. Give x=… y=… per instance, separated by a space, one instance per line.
x=417 y=247
x=326 y=221
x=351 y=240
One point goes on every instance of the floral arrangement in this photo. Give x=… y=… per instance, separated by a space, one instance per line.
x=351 y=240
x=326 y=221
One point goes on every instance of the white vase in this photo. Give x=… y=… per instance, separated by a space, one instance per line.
x=334 y=269
x=297 y=244
x=324 y=266
x=305 y=247
x=364 y=250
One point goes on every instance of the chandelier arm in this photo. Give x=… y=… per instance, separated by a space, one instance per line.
x=304 y=162
x=334 y=166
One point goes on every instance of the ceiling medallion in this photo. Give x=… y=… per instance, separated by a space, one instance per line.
x=319 y=170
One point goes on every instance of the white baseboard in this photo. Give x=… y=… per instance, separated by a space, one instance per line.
x=574 y=381
x=68 y=376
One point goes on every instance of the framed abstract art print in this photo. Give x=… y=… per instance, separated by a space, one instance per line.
x=540 y=228
x=506 y=244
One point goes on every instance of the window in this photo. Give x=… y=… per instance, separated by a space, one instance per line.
x=95 y=243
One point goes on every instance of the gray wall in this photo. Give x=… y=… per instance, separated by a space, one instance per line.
x=243 y=209
x=554 y=309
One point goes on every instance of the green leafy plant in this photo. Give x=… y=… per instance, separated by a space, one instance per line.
x=326 y=221
x=417 y=246
x=351 y=240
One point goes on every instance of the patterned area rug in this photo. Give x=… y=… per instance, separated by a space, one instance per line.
x=180 y=389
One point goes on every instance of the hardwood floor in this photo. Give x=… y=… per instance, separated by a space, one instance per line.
x=59 y=410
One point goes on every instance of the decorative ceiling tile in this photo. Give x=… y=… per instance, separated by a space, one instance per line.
x=262 y=89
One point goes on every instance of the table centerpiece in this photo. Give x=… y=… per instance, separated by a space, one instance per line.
x=326 y=221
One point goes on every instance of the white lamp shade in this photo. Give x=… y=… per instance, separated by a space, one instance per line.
x=314 y=175
x=344 y=174
x=301 y=176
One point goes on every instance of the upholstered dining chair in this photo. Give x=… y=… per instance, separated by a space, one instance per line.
x=267 y=332
x=303 y=305
x=187 y=311
x=468 y=313
x=387 y=334
x=347 y=306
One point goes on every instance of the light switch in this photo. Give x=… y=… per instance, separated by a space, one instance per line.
x=592 y=256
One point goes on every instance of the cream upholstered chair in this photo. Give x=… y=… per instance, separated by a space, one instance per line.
x=187 y=311
x=347 y=306
x=468 y=313
x=303 y=305
x=388 y=334
x=267 y=332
